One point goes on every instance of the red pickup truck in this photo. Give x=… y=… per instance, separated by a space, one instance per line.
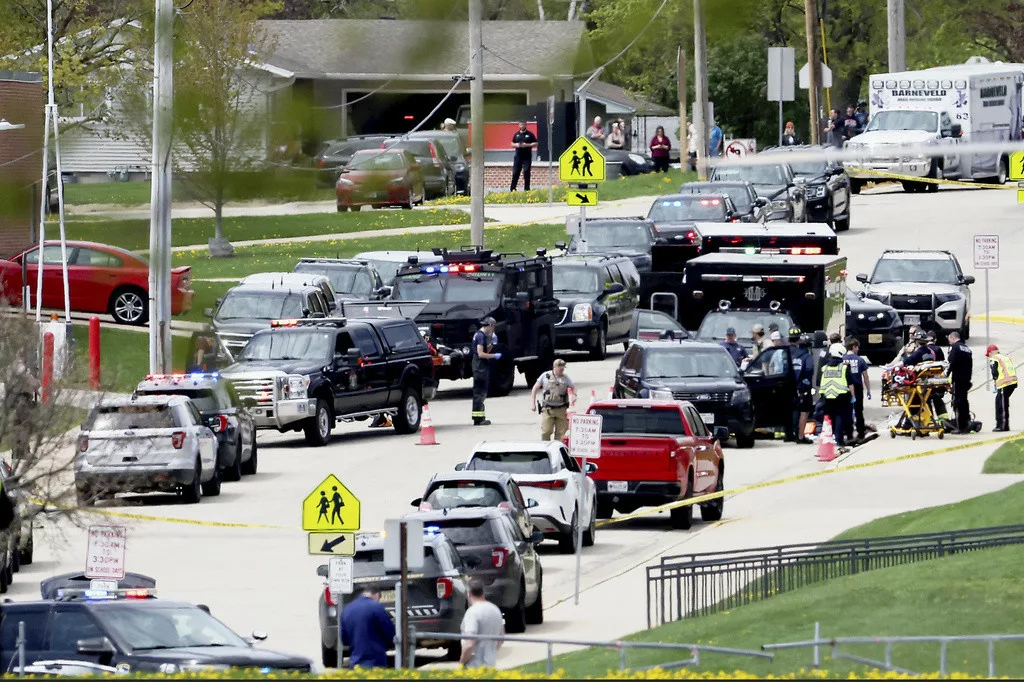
x=654 y=452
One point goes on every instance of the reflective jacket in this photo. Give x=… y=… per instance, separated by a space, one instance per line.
x=1003 y=370
x=834 y=382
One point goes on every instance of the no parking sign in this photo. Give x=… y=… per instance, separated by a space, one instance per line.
x=737 y=149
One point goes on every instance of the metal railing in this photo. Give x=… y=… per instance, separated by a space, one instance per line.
x=622 y=646
x=705 y=583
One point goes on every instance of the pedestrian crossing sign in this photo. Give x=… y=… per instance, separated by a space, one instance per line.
x=1017 y=166
x=581 y=162
x=330 y=507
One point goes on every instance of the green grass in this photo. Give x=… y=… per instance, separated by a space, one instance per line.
x=124 y=357
x=133 y=193
x=1007 y=459
x=134 y=234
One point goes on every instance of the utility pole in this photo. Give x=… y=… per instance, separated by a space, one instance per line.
x=897 y=36
x=160 y=197
x=681 y=94
x=813 y=66
x=700 y=105
x=476 y=110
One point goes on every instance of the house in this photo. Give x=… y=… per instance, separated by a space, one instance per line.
x=21 y=156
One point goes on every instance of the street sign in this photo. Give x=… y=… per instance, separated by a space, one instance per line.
x=336 y=544
x=781 y=74
x=585 y=435
x=330 y=507
x=581 y=197
x=106 y=552
x=1017 y=166
x=339 y=575
x=986 y=251
x=551 y=111
x=393 y=545
x=805 y=77
x=581 y=162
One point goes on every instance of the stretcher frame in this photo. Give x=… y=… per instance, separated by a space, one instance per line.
x=914 y=399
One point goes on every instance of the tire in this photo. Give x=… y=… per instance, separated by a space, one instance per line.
x=682 y=517
x=535 y=611
x=856 y=186
x=515 y=617
x=249 y=467
x=965 y=333
x=745 y=441
x=410 y=411
x=453 y=651
x=15 y=560
x=600 y=349
x=192 y=493
x=843 y=225
x=234 y=472
x=26 y=554
x=1000 y=177
x=590 y=534
x=129 y=305
x=212 y=487
x=503 y=378
x=604 y=510
x=712 y=511
x=9 y=571
x=4 y=581
x=318 y=427
x=409 y=204
x=934 y=173
x=909 y=187
x=84 y=498
x=567 y=541
x=328 y=656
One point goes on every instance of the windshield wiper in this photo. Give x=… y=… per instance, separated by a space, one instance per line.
x=158 y=646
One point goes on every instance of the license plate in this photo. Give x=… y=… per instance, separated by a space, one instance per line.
x=103 y=585
x=618 y=486
x=911 y=319
x=708 y=417
x=874 y=338
x=387 y=596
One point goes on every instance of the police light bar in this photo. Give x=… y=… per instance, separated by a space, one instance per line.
x=284 y=323
x=710 y=202
x=195 y=376
x=454 y=267
x=310 y=322
x=753 y=278
x=95 y=594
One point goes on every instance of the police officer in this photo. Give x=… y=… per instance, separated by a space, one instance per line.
x=483 y=343
x=834 y=388
x=934 y=347
x=558 y=394
x=857 y=370
x=737 y=351
x=523 y=141
x=802 y=368
x=1005 y=376
x=961 y=367
x=760 y=340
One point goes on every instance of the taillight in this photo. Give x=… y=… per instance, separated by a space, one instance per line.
x=433 y=155
x=136 y=594
x=178 y=439
x=444 y=588
x=558 y=484
x=219 y=423
x=327 y=596
x=83 y=443
x=320 y=163
x=499 y=555
x=505 y=506
x=426 y=506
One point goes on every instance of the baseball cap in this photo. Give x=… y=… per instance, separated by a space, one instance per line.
x=558 y=363
x=776 y=336
x=730 y=330
x=758 y=328
x=991 y=349
x=488 y=320
x=449 y=121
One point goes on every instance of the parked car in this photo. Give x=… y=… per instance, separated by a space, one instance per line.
x=596 y=297
x=631 y=237
x=380 y=178
x=101 y=279
x=827 y=185
x=630 y=163
x=776 y=183
x=876 y=325
x=750 y=207
x=438 y=171
x=388 y=263
x=352 y=279
x=337 y=153
x=458 y=156
x=649 y=325
x=553 y=482
x=297 y=279
x=675 y=215
x=451 y=490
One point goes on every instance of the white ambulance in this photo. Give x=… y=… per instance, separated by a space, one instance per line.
x=978 y=101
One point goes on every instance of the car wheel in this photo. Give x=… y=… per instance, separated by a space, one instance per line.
x=600 y=349
x=408 y=205
x=567 y=541
x=965 y=333
x=745 y=441
x=328 y=656
x=193 y=492
x=129 y=306
x=515 y=617
x=604 y=509
x=234 y=472
x=410 y=410
x=503 y=378
x=844 y=224
x=249 y=467
x=4 y=581
x=682 y=517
x=212 y=487
x=591 y=532
x=26 y=554
x=535 y=611
x=712 y=511
x=318 y=427
x=84 y=498
x=453 y=651
x=9 y=571
x=1000 y=177
x=15 y=557
x=856 y=186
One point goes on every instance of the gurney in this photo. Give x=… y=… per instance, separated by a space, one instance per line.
x=914 y=390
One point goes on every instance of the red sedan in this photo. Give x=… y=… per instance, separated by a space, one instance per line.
x=380 y=178
x=101 y=278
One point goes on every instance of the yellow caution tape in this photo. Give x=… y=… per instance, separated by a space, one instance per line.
x=932 y=181
x=1001 y=319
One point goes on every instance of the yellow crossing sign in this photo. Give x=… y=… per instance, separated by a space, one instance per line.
x=1017 y=166
x=581 y=162
x=331 y=507
x=581 y=197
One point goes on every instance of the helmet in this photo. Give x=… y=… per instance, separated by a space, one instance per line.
x=805 y=340
x=920 y=335
x=837 y=350
x=991 y=349
x=794 y=333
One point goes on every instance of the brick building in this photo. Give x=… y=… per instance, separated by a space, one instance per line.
x=21 y=103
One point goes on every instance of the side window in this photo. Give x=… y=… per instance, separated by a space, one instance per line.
x=569 y=462
x=514 y=494
x=35 y=628
x=97 y=259
x=606 y=276
x=51 y=256
x=342 y=343
x=636 y=360
x=512 y=528
x=70 y=626
x=630 y=276
x=197 y=417
x=366 y=341
x=697 y=423
x=616 y=276
x=318 y=303
x=945 y=122
x=403 y=337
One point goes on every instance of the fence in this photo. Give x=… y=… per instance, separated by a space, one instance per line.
x=700 y=584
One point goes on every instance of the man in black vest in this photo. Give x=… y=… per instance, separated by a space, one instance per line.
x=523 y=141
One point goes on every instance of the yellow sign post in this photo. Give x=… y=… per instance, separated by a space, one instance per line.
x=331 y=508
x=334 y=544
x=1017 y=166
x=582 y=162
x=581 y=197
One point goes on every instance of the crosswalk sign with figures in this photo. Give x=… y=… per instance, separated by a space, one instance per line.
x=582 y=162
x=1017 y=166
x=331 y=507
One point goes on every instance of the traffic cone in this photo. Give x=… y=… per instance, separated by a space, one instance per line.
x=427 y=436
x=826 y=444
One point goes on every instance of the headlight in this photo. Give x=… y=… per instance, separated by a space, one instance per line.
x=780 y=205
x=660 y=394
x=465 y=350
x=397 y=182
x=741 y=395
x=296 y=387
x=636 y=158
x=948 y=298
x=816 y=191
x=878 y=296
x=345 y=182
x=582 y=312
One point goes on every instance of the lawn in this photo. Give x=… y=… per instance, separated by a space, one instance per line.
x=651 y=184
x=279 y=185
x=133 y=193
x=134 y=234
x=124 y=357
x=1007 y=459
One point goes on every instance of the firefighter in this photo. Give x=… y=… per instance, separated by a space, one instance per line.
x=834 y=388
x=802 y=365
x=483 y=343
x=1005 y=376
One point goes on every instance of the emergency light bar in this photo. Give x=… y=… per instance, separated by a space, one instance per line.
x=196 y=377
x=133 y=593
x=799 y=279
x=454 y=267
x=753 y=250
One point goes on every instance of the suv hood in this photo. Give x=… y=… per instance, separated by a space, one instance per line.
x=262 y=370
x=441 y=312
x=909 y=288
x=893 y=137
x=240 y=326
x=568 y=299
x=238 y=657
x=695 y=384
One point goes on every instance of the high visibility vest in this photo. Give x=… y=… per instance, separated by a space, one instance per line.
x=1006 y=374
x=833 y=381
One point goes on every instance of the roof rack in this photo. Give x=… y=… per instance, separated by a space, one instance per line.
x=470 y=255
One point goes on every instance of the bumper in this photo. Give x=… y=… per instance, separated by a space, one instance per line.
x=640 y=494
x=379 y=198
x=576 y=335
x=136 y=478
x=181 y=301
x=819 y=210
x=424 y=619
x=738 y=418
x=886 y=342
x=282 y=414
x=946 y=317
x=862 y=170
x=453 y=366
x=550 y=519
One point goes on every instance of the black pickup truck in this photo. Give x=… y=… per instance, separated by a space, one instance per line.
x=307 y=374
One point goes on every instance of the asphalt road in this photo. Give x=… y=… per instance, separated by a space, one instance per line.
x=261 y=578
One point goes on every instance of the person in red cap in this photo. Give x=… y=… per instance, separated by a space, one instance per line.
x=1005 y=376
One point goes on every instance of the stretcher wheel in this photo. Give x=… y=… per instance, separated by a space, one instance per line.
x=913 y=435
x=892 y=434
x=941 y=434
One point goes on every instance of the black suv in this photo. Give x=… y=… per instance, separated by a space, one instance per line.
x=877 y=326
x=455 y=149
x=827 y=185
x=132 y=631
x=750 y=207
x=596 y=296
x=307 y=374
x=702 y=373
x=352 y=279
x=631 y=237
x=219 y=404
x=497 y=553
x=248 y=308
x=776 y=183
x=674 y=214
x=467 y=286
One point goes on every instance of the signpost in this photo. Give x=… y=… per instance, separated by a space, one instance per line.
x=585 y=443
x=580 y=165
x=404 y=552
x=551 y=147
x=986 y=257
x=331 y=514
x=105 y=554
x=781 y=77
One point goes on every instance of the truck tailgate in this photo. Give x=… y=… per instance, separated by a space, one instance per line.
x=637 y=459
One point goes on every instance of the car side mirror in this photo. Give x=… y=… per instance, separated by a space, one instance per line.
x=461 y=466
x=219 y=301
x=560 y=245
x=259 y=636
x=590 y=468
x=203 y=607
x=760 y=201
x=614 y=288
x=720 y=433
x=537 y=537
x=416 y=502
x=207 y=312
x=384 y=291
x=305 y=312
x=531 y=503
x=322 y=570
x=862 y=278
x=96 y=646
x=969 y=279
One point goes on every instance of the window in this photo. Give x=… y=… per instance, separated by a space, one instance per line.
x=51 y=256
x=640 y=420
x=205 y=399
x=773 y=362
x=343 y=343
x=616 y=276
x=242 y=304
x=569 y=463
x=365 y=341
x=403 y=337
x=466 y=532
x=154 y=626
x=370 y=563
x=630 y=276
x=314 y=303
x=119 y=417
x=35 y=628
x=634 y=359
x=535 y=462
x=197 y=418
x=470 y=493
x=696 y=423
x=513 y=529
x=288 y=345
x=514 y=494
x=98 y=259
x=70 y=626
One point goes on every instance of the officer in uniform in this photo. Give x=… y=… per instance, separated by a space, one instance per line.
x=523 y=141
x=961 y=367
x=834 y=388
x=738 y=353
x=802 y=367
x=1005 y=376
x=483 y=343
x=558 y=394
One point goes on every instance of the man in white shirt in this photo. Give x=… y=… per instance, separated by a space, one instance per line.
x=482 y=618
x=691 y=145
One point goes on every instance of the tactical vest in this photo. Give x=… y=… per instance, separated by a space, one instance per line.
x=556 y=390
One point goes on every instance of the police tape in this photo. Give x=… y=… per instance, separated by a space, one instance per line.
x=853 y=172
x=1000 y=319
x=701 y=499
x=50 y=506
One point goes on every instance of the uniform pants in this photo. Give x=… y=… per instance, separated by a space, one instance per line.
x=1003 y=407
x=961 y=406
x=838 y=410
x=857 y=420
x=523 y=164
x=554 y=419
x=481 y=382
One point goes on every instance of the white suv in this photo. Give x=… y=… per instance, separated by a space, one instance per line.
x=146 y=444
x=551 y=480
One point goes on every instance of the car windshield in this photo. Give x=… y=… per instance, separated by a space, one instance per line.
x=205 y=399
x=265 y=305
x=447 y=288
x=680 y=363
x=466 y=531
x=904 y=120
x=129 y=417
x=652 y=320
x=145 y=627
x=370 y=563
x=512 y=462
x=449 y=494
x=814 y=168
x=714 y=326
x=687 y=208
x=616 y=234
x=925 y=270
x=758 y=175
x=375 y=160
x=346 y=280
x=287 y=345
x=576 y=279
x=641 y=420
x=740 y=196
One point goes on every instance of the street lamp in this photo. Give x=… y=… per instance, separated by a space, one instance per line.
x=7 y=125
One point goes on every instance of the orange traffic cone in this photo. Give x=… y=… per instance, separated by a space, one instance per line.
x=427 y=436
x=826 y=444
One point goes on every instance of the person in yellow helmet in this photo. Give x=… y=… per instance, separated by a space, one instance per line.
x=1005 y=376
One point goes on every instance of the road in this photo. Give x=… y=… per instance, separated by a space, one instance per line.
x=261 y=578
